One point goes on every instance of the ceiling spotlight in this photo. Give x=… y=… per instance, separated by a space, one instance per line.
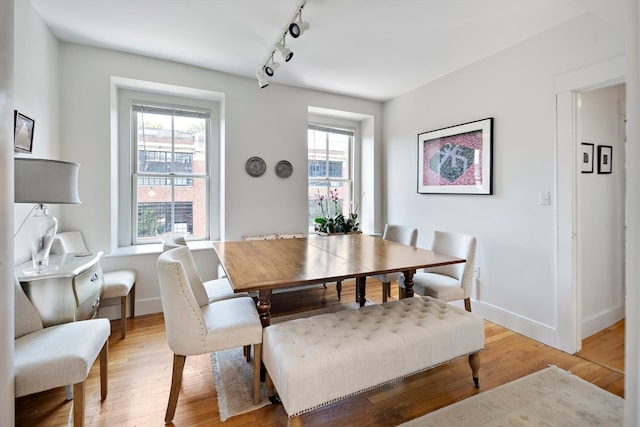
x=296 y=28
x=284 y=51
x=262 y=81
x=270 y=68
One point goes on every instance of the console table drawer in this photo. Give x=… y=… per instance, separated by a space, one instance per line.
x=70 y=293
x=88 y=290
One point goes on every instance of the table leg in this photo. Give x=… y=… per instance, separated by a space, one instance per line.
x=264 y=307
x=407 y=291
x=361 y=289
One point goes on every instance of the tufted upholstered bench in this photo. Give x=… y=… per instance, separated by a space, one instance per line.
x=321 y=359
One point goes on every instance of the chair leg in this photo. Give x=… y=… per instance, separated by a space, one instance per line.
x=467 y=304
x=386 y=290
x=123 y=317
x=339 y=288
x=78 y=404
x=176 y=382
x=132 y=300
x=257 y=359
x=246 y=350
x=104 y=363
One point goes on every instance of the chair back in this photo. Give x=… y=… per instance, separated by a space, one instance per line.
x=461 y=246
x=185 y=327
x=26 y=318
x=404 y=234
x=172 y=242
x=68 y=242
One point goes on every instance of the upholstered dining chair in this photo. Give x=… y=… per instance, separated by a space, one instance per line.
x=116 y=283
x=216 y=289
x=57 y=356
x=449 y=282
x=404 y=234
x=196 y=326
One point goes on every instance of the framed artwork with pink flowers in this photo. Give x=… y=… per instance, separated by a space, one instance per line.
x=456 y=159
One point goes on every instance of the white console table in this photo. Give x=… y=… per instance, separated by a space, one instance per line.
x=70 y=293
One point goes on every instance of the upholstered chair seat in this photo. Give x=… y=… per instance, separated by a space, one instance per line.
x=194 y=325
x=57 y=356
x=449 y=282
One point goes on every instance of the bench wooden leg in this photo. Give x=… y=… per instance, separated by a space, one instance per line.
x=474 y=362
x=78 y=404
x=339 y=288
x=176 y=381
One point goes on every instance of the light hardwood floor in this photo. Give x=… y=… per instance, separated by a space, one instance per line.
x=140 y=373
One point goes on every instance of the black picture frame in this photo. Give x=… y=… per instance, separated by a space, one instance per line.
x=457 y=159
x=605 y=159
x=22 y=132
x=586 y=157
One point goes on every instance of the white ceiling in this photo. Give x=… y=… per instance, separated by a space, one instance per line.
x=374 y=49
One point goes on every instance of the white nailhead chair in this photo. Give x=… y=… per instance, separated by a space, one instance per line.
x=59 y=355
x=216 y=289
x=450 y=282
x=404 y=234
x=196 y=326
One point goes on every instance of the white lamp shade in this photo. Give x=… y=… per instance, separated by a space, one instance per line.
x=46 y=181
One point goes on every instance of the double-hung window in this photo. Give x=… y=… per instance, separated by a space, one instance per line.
x=330 y=152
x=170 y=173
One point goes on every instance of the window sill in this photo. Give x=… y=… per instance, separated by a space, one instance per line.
x=154 y=249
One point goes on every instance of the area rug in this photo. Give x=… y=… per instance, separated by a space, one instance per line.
x=551 y=397
x=233 y=376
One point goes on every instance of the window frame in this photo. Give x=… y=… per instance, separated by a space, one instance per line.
x=123 y=205
x=347 y=128
x=172 y=111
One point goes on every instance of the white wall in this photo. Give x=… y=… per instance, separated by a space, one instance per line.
x=270 y=123
x=36 y=95
x=632 y=268
x=7 y=408
x=516 y=236
x=601 y=214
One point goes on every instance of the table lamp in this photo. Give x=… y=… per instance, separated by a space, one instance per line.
x=44 y=181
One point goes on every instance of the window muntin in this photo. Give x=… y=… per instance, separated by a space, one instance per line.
x=329 y=167
x=170 y=178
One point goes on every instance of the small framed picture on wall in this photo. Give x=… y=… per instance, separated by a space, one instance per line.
x=604 y=158
x=22 y=132
x=586 y=157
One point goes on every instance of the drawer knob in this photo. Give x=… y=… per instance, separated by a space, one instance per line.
x=95 y=277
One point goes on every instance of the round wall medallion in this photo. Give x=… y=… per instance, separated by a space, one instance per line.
x=255 y=166
x=284 y=169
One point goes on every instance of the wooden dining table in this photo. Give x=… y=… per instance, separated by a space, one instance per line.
x=265 y=265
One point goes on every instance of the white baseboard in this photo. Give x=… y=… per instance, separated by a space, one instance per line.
x=601 y=320
x=527 y=327
x=110 y=309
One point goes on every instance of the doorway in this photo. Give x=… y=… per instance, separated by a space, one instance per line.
x=600 y=134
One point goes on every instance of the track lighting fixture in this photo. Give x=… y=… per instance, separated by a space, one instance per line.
x=284 y=51
x=271 y=66
x=262 y=81
x=296 y=28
